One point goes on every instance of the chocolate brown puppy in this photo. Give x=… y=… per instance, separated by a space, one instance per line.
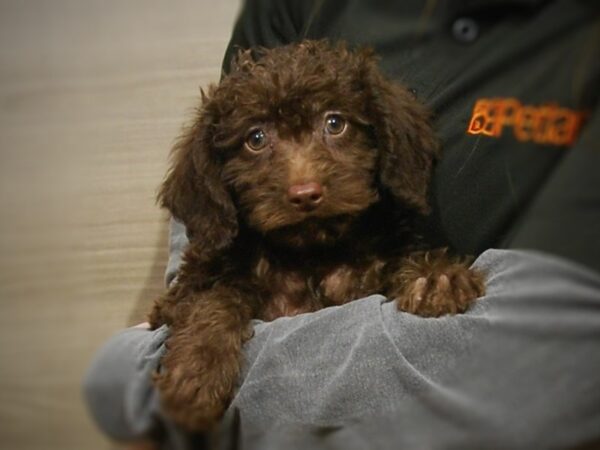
x=299 y=183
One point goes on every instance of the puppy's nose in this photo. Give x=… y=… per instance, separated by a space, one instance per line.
x=305 y=197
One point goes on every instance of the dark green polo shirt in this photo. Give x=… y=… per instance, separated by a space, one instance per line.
x=513 y=86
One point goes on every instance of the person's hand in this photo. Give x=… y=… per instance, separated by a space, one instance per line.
x=143 y=325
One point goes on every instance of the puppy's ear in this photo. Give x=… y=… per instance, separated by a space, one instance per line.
x=406 y=141
x=193 y=190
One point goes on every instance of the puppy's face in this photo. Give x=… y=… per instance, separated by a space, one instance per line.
x=303 y=184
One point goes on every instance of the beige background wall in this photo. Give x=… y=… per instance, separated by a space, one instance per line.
x=92 y=95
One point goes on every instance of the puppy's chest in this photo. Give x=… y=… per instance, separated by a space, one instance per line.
x=289 y=291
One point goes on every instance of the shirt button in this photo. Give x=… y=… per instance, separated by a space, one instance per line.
x=465 y=30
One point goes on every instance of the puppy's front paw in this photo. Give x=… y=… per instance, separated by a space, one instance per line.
x=194 y=393
x=433 y=285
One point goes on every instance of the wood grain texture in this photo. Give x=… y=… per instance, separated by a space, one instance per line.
x=92 y=95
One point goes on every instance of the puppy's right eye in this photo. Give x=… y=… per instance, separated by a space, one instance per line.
x=256 y=140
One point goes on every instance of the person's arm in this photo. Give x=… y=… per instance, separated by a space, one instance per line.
x=518 y=370
x=118 y=384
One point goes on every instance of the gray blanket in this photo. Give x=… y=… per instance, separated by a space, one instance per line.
x=521 y=369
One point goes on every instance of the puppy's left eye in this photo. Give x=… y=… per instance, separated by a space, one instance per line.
x=335 y=124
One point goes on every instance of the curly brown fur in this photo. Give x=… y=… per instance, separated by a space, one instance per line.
x=298 y=183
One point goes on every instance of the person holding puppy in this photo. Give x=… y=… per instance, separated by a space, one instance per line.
x=513 y=87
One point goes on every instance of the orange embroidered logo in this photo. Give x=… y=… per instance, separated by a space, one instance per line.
x=544 y=124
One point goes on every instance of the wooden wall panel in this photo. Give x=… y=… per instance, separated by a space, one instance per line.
x=92 y=96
